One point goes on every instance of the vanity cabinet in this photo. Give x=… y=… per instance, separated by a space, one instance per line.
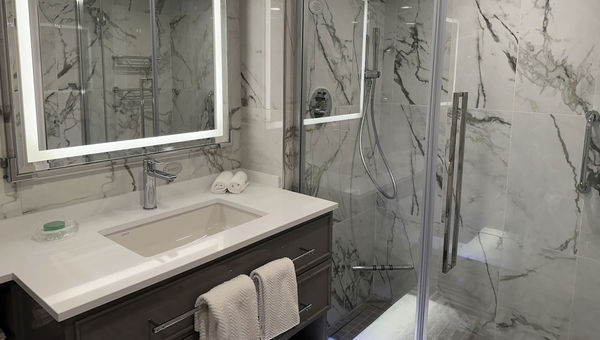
x=137 y=315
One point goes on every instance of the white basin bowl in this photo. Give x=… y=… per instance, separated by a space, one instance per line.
x=171 y=230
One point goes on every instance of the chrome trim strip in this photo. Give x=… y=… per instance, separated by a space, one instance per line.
x=427 y=218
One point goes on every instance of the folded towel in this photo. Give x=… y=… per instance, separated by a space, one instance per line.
x=221 y=183
x=229 y=311
x=238 y=183
x=277 y=297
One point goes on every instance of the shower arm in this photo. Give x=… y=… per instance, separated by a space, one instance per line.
x=584 y=185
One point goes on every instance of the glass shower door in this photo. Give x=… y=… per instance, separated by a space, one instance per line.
x=515 y=247
x=366 y=87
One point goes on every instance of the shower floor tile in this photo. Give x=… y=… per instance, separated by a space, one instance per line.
x=359 y=319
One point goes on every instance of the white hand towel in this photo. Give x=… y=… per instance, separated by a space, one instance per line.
x=277 y=297
x=238 y=183
x=221 y=183
x=229 y=311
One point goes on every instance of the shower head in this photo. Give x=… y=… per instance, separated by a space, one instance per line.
x=376 y=48
x=373 y=73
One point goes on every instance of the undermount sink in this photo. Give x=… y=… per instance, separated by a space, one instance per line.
x=172 y=230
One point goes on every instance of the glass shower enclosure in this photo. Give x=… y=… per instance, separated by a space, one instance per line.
x=451 y=135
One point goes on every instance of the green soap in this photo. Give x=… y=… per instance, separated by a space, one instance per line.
x=54 y=225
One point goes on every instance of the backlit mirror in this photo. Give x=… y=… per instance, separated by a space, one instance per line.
x=99 y=76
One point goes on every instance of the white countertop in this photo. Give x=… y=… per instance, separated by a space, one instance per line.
x=74 y=275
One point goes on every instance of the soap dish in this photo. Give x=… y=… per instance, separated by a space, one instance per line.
x=56 y=230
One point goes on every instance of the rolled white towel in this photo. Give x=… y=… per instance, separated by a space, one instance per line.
x=238 y=183
x=222 y=182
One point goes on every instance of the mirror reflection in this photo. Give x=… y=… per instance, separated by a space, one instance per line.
x=112 y=70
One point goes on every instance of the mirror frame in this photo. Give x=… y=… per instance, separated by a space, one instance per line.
x=30 y=78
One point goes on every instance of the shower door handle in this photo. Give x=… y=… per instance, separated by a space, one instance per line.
x=452 y=222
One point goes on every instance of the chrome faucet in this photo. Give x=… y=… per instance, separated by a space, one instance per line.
x=150 y=176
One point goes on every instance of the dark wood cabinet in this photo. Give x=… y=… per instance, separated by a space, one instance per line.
x=134 y=316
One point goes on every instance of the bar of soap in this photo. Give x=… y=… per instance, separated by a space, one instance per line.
x=54 y=225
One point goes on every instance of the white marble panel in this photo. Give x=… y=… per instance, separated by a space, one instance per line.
x=352 y=246
x=586 y=301
x=487 y=50
x=544 y=206
x=487 y=148
x=557 y=57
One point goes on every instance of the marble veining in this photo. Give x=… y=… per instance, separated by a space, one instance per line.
x=526 y=233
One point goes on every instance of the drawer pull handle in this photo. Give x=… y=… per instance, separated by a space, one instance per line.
x=306 y=253
x=305 y=308
x=177 y=319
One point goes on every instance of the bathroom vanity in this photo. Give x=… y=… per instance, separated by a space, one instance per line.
x=141 y=294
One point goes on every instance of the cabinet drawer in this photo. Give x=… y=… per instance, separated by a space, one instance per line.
x=313 y=240
x=314 y=289
x=134 y=316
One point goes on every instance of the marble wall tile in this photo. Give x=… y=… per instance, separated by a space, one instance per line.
x=557 y=58
x=488 y=49
x=58 y=44
x=262 y=71
x=407 y=52
x=352 y=246
x=396 y=243
x=543 y=224
x=589 y=239
x=535 y=293
x=63 y=119
x=263 y=144
x=584 y=318
x=333 y=49
x=487 y=148
x=544 y=206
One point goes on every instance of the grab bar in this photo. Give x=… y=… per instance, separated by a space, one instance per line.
x=159 y=328
x=449 y=259
x=382 y=267
x=584 y=185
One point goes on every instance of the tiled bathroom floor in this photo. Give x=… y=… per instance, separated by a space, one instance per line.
x=350 y=326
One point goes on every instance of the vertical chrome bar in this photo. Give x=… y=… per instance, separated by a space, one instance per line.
x=142 y=110
x=155 y=103
x=85 y=124
x=431 y=154
x=584 y=186
x=100 y=27
x=459 y=176
x=450 y=183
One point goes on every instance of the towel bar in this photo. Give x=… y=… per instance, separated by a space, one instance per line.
x=159 y=328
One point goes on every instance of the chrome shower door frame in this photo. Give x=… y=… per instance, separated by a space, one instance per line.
x=427 y=218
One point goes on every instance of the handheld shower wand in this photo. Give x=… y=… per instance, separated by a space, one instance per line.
x=371 y=76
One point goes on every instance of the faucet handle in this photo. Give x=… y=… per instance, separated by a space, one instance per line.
x=150 y=163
